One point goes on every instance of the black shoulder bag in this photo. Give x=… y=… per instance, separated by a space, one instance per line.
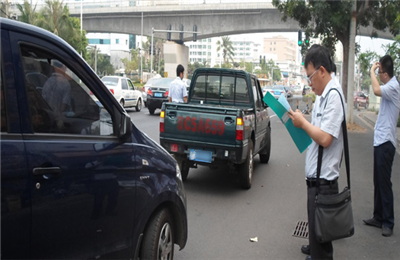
x=334 y=213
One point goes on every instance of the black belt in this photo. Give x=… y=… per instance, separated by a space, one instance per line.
x=312 y=182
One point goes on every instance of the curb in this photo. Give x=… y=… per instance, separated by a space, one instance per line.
x=369 y=121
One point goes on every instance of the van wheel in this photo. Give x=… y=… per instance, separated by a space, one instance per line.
x=121 y=103
x=151 y=111
x=158 y=239
x=138 y=105
x=266 y=151
x=183 y=166
x=246 y=169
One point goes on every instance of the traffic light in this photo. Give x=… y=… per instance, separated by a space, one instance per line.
x=150 y=50
x=300 y=38
x=264 y=59
x=260 y=59
x=169 y=33
x=195 y=33
x=181 y=33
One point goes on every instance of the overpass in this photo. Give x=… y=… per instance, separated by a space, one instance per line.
x=212 y=17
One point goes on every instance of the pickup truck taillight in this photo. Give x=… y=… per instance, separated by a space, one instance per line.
x=162 y=115
x=239 y=128
x=149 y=92
x=166 y=94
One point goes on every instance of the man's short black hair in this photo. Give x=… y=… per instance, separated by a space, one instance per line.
x=319 y=55
x=180 y=69
x=387 y=65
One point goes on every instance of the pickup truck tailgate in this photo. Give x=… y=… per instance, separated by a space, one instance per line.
x=200 y=124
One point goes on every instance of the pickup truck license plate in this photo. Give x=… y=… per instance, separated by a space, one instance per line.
x=200 y=155
x=158 y=94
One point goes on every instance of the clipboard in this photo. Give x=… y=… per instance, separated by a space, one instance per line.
x=300 y=138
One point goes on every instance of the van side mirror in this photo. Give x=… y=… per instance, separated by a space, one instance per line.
x=123 y=126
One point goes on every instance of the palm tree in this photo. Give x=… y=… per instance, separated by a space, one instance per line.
x=226 y=47
x=55 y=18
x=28 y=14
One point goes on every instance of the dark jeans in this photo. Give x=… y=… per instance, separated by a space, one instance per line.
x=318 y=250
x=383 y=194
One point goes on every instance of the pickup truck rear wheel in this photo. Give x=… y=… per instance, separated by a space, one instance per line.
x=266 y=151
x=246 y=169
x=183 y=166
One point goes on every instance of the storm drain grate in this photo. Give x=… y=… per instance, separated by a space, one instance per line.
x=301 y=229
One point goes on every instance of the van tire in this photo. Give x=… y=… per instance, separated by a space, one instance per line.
x=246 y=169
x=158 y=237
x=266 y=151
x=138 y=105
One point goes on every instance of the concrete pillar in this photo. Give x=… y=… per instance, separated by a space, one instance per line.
x=175 y=54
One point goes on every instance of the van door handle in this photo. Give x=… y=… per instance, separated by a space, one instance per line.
x=171 y=114
x=46 y=170
x=229 y=120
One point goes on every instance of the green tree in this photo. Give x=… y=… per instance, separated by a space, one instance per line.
x=225 y=45
x=249 y=67
x=28 y=13
x=104 y=66
x=393 y=49
x=330 y=20
x=132 y=64
x=54 y=17
x=365 y=61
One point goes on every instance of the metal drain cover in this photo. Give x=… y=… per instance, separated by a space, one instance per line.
x=301 y=229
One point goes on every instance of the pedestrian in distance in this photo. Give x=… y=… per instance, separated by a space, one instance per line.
x=384 y=144
x=325 y=129
x=177 y=89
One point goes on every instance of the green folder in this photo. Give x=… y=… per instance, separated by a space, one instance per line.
x=301 y=139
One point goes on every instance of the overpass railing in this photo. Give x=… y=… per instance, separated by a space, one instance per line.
x=76 y=4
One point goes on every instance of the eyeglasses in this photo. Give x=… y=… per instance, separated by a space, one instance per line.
x=312 y=75
x=381 y=72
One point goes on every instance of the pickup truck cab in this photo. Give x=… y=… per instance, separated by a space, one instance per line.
x=78 y=179
x=224 y=122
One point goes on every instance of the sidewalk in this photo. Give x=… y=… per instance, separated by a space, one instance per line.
x=371 y=117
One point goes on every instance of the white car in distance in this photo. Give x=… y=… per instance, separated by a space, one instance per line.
x=124 y=91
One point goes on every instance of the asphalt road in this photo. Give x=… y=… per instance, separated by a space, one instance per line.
x=222 y=217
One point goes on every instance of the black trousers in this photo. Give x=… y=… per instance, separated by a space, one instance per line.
x=318 y=250
x=383 y=194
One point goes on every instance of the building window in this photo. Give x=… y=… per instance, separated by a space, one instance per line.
x=126 y=42
x=209 y=40
x=270 y=49
x=274 y=49
x=117 y=41
x=274 y=43
x=209 y=53
x=204 y=53
x=271 y=43
x=209 y=47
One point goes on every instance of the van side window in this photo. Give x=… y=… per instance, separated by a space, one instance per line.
x=3 y=104
x=59 y=101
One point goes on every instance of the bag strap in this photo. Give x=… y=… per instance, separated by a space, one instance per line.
x=346 y=147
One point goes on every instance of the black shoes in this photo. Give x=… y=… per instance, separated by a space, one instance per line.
x=308 y=257
x=305 y=249
x=373 y=222
x=386 y=232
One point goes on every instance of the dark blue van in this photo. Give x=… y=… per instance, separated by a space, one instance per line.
x=78 y=179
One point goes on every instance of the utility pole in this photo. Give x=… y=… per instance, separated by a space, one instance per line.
x=352 y=45
x=141 y=54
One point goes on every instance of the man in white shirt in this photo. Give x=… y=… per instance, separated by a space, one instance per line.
x=325 y=130
x=177 y=90
x=384 y=144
